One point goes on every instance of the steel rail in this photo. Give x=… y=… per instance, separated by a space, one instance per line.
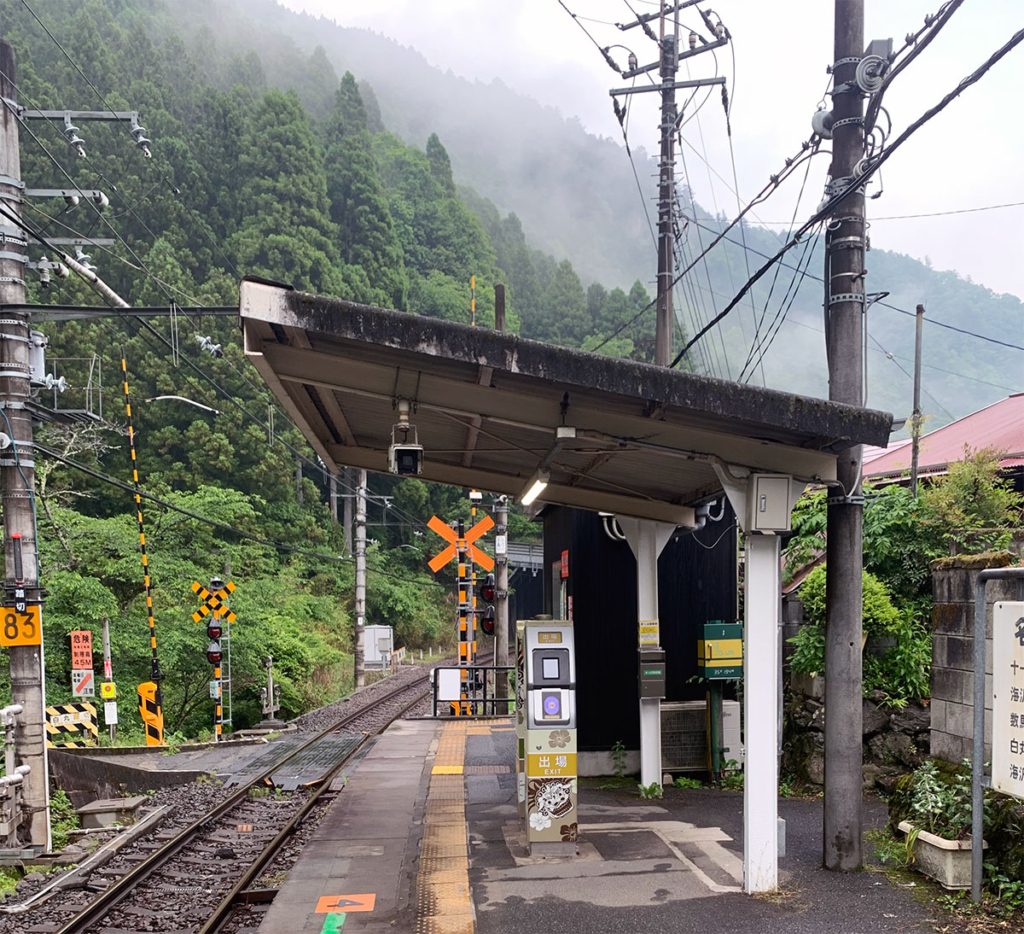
x=107 y=900
x=223 y=911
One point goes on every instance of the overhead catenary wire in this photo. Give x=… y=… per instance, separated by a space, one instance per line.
x=832 y=203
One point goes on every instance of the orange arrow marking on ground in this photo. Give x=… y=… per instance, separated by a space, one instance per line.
x=451 y=536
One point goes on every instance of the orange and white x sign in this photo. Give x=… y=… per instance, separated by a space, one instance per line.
x=451 y=536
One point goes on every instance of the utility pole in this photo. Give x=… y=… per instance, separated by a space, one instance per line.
x=298 y=480
x=108 y=675
x=347 y=511
x=501 y=596
x=333 y=488
x=915 y=424
x=667 y=65
x=17 y=474
x=845 y=249
x=358 y=644
x=666 y=195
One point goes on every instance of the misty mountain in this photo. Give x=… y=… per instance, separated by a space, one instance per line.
x=574 y=198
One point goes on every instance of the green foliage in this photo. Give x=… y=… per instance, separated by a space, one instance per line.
x=63 y=818
x=974 y=507
x=10 y=876
x=619 y=759
x=936 y=797
x=359 y=208
x=732 y=776
x=683 y=781
x=889 y=850
x=653 y=790
x=902 y=672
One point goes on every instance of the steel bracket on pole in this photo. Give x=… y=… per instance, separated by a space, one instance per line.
x=13 y=182
x=13 y=257
x=857 y=499
x=12 y=279
x=840 y=297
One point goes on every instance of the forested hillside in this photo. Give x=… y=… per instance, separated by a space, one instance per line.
x=336 y=161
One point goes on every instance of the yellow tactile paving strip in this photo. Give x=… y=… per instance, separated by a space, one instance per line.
x=443 y=901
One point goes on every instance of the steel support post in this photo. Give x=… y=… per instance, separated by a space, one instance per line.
x=647 y=538
x=761 y=676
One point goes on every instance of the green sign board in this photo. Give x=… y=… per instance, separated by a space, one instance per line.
x=720 y=651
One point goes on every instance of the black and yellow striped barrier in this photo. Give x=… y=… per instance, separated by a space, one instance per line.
x=71 y=725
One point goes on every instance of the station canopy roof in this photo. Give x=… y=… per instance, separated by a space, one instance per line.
x=493 y=410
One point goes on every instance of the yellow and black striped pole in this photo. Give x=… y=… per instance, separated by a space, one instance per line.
x=462 y=708
x=472 y=301
x=150 y=701
x=218 y=717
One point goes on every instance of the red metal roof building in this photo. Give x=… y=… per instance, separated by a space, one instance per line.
x=999 y=426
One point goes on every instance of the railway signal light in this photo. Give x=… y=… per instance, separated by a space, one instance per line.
x=488 y=590
x=213 y=653
x=487 y=623
x=213 y=630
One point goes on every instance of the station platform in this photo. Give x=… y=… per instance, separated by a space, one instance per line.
x=425 y=838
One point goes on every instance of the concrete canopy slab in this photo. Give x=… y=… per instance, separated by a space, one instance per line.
x=487 y=407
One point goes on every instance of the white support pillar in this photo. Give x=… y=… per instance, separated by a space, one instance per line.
x=761 y=733
x=761 y=672
x=647 y=538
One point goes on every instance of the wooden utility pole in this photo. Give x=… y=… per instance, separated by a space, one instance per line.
x=17 y=475
x=360 y=549
x=845 y=247
x=666 y=195
x=915 y=425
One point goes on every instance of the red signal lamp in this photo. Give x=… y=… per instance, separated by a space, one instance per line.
x=213 y=630
x=487 y=623
x=488 y=591
x=213 y=653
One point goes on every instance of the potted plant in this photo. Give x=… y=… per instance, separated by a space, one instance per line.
x=938 y=829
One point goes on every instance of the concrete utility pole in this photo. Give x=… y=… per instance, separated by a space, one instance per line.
x=666 y=195
x=843 y=662
x=347 y=510
x=358 y=643
x=915 y=424
x=17 y=474
x=501 y=596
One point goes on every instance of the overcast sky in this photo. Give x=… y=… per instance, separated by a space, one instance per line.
x=967 y=157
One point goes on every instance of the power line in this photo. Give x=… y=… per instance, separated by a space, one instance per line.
x=903 y=217
x=873 y=168
x=903 y=311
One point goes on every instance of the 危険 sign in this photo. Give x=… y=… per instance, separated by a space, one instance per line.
x=81 y=649
x=1008 y=698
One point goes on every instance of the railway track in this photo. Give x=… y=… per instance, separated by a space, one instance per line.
x=193 y=880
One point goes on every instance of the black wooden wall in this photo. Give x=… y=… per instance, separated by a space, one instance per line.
x=696 y=584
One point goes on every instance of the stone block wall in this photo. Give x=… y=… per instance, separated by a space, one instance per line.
x=953 y=583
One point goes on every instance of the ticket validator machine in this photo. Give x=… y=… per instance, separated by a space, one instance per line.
x=546 y=726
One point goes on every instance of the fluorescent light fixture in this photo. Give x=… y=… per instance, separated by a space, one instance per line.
x=537 y=484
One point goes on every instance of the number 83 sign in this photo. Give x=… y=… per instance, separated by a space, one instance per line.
x=22 y=627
